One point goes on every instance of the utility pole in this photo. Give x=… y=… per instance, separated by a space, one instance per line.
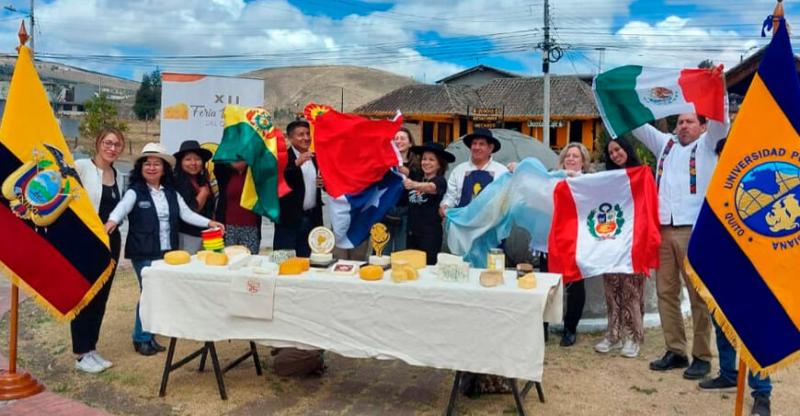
x=551 y=53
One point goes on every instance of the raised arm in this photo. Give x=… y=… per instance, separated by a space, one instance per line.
x=651 y=137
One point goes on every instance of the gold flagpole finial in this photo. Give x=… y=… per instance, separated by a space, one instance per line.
x=777 y=14
x=23 y=34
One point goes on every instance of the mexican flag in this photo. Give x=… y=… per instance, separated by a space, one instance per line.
x=630 y=96
x=249 y=135
x=605 y=222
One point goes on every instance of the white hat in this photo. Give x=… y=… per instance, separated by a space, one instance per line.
x=155 y=149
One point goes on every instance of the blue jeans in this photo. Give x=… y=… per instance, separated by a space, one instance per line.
x=138 y=334
x=728 y=370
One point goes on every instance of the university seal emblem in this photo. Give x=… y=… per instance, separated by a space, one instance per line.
x=42 y=188
x=768 y=199
x=605 y=222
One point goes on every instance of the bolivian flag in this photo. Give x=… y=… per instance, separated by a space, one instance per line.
x=249 y=135
x=744 y=254
x=52 y=244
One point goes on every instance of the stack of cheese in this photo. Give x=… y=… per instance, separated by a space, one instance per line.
x=405 y=264
x=212 y=239
x=451 y=268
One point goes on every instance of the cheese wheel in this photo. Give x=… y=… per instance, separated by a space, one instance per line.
x=294 y=265
x=371 y=273
x=176 y=257
x=237 y=249
x=527 y=282
x=321 y=257
x=399 y=275
x=411 y=273
x=491 y=278
x=415 y=258
x=216 y=259
x=201 y=255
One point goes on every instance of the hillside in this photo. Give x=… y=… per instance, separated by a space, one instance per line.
x=289 y=89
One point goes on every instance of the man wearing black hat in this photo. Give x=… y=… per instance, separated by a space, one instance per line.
x=301 y=209
x=468 y=179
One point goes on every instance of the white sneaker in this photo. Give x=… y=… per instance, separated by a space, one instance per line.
x=630 y=349
x=100 y=360
x=605 y=346
x=87 y=364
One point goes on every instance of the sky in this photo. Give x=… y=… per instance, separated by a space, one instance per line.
x=424 y=39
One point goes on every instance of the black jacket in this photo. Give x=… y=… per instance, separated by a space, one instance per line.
x=143 y=241
x=292 y=203
x=183 y=186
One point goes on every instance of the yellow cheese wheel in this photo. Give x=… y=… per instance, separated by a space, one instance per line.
x=399 y=275
x=411 y=273
x=216 y=259
x=371 y=273
x=527 y=282
x=201 y=255
x=491 y=278
x=415 y=258
x=294 y=265
x=177 y=257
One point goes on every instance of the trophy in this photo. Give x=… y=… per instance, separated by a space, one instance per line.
x=321 y=241
x=379 y=237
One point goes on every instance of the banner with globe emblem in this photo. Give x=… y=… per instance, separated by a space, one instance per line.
x=744 y=253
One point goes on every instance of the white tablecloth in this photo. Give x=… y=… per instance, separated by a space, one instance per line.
x=428 y=322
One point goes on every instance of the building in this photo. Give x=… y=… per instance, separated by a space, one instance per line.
x=477 y=76
x=739 y=77
x=447 y=110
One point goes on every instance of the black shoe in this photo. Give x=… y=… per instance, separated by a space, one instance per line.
x=760 y=406
x=144 y=348
x=718 y=384
x=156 y=346
x=669 y=361
x=568 y=339
x=698 y=369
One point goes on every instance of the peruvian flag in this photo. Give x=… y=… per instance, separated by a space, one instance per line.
x=605 y=222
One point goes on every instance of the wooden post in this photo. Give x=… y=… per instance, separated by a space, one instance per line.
x=14 y=385
x=737 y=411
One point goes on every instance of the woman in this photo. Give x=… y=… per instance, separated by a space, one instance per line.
x=100 y=180
x=243 y=226
x=426 y=190
x=191 y=182
x=397 y=218
x=574 y=159
x=154 y=210
x=624 y=292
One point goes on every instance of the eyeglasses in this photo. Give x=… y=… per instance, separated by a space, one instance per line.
x=109 y=144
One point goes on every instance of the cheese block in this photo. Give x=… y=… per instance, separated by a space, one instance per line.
x=415 y=258
x=176 y=257
x=411 y=273
x=216 y=259
x=527 y=282
x=371 y=273
x=294 y=265
x=379 y=260
x=491 y=278
x=403 y=272
x=451 y=268
x=321 y=257
x=236 y=250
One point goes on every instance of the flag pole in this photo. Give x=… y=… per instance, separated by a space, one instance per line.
x=15 y=385
x=737 y=411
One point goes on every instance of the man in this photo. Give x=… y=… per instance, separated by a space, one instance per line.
x=301 y=209
x=468 y=179
x=686 y=161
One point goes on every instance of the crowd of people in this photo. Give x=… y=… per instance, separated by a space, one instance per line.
x=170 y=200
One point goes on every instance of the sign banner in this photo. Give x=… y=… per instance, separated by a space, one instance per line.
x=192 y=105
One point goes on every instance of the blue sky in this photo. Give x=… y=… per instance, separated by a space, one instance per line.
x=424 y=39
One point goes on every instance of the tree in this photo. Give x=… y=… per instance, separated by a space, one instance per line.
x=100 y=113
x=148 y=97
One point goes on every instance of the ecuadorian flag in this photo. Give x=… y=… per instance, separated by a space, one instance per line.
x=744 y=254
x=53 y=244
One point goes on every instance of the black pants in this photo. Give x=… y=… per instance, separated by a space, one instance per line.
x=86 y=326
x=576 y=298
x=294 y=237
x=430 y=243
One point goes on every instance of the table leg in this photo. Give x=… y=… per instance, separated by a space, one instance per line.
x=217 y=370
x=517 y=398
x=539 y=390
x=203 y=360
x=256 y=361
x=167 y=367
x=453 y=394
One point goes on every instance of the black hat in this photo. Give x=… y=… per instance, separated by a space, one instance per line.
x=484 y=133
x=435 y=148
x=193 y=146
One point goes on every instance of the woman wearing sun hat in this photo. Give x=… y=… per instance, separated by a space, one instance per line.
x=153 y=208
x=191 y=182
x=426 y=190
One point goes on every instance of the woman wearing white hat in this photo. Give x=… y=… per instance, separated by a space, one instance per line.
x=154 y=210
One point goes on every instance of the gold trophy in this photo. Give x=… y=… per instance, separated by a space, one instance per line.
x=379 y=237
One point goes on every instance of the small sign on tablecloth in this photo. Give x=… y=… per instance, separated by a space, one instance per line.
x=251 y=296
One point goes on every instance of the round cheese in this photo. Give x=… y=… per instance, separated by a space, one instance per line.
x=231 y=251
x=176 y=257
x=321 y=257
x=411 y=273
x=379 y=260
x=371 y=273
x=216 y=259
x=201 y=255
x=491 y=278
x=527 y=282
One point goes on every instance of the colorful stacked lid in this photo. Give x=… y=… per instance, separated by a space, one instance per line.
x=212 y=239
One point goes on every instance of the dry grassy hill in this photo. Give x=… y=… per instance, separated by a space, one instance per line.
x=288 y=89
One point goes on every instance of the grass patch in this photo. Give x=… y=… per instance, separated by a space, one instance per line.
x=647 y=391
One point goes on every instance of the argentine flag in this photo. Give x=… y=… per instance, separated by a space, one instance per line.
x=352 y=215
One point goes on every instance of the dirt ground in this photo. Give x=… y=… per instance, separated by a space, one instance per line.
x=577 y=381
